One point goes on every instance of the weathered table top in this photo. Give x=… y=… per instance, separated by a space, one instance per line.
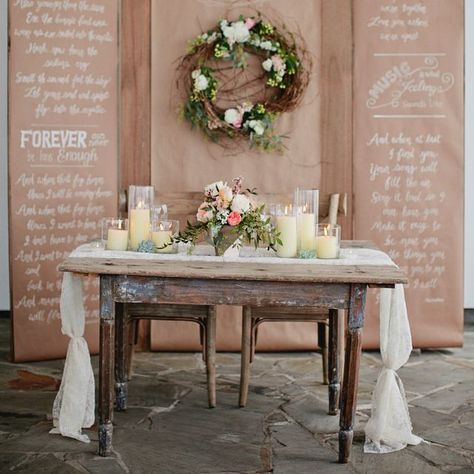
x=377 y=275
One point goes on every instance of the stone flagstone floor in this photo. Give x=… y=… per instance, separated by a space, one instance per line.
x=283 y=430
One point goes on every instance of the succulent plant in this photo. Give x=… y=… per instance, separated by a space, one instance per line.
x=307 y=254
x=146 y=246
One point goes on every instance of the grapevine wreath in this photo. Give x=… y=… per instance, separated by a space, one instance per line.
x=250 y=116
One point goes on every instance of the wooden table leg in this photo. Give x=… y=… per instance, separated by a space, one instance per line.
x=106 y=365
x=323 y=345
x=355 y=322
x=121 y=346
x=333 y=362
x=211 y=355
x=245 y=355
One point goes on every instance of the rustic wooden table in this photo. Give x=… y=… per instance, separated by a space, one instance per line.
x=215 y=283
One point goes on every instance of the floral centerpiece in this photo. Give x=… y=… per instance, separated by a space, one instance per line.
x=229 y=217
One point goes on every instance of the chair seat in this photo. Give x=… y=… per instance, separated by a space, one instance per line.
x=289 y=314
x=163 y=311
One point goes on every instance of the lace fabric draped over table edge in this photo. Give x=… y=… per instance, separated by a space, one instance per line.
x=389 y=428
x=74 y=405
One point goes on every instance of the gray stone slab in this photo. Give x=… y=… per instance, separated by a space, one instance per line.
x=191 y=439
x=95 y=464
x=444 y=457
x=154 y=392
x=399 y=462
x=449 y=399
x=311 y=413
x=296 y=450
x=428 y=376
x=35 y=463
x=38 y=440
x=459 y=436
x=424 y=420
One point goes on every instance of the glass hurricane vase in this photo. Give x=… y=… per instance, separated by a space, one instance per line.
x=221 y=238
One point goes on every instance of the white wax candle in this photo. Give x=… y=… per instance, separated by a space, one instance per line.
x=306 y=231
x=327 y=246
x=139 y=226
x=286 y=226
x=117 y=239
x=161 y=238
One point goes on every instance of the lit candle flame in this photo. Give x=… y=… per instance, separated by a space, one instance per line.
x=120 y=224
x=140 y=205
x=326 y=230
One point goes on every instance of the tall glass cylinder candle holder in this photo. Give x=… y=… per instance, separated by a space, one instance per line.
x=163 y=233
x=115 y=233
x=328 y=241
x=140 y=203
x=285 y=224
x=159 y=211
x=306 y=205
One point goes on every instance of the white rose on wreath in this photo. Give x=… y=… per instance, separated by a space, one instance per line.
x=257 y=126
x=240 y=203
x=201 y=82
x=237 y=32
x=267 y=65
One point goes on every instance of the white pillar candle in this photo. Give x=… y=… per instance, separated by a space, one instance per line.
x=306 y=231
x=161 y=238
x=117 y=239
x=327 y=246
x=139 y=226
x=286 y=227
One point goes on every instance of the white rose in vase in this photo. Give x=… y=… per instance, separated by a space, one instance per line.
x=212 y=190
x=240 y=203
x=225 y=193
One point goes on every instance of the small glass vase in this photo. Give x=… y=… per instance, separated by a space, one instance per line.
x=328 y=241
x=115 y=233
x=163 y=233
x=221 y=238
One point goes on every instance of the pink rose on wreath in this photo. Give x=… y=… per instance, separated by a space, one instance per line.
x=277 y=62
x=250 y=23
x=234 y=218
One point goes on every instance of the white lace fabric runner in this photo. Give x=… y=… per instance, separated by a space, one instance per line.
x=389 y=428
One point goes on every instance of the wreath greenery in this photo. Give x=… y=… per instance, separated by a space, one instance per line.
x=284 y=76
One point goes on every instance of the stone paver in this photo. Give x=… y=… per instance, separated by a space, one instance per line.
x=284 y=429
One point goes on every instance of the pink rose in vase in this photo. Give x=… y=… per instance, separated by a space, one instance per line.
x=234 y=218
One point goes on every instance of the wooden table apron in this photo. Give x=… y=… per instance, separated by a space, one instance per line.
x=213 y=283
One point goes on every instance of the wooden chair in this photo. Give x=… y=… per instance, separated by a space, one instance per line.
x=328 y=324
x=181 y=206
